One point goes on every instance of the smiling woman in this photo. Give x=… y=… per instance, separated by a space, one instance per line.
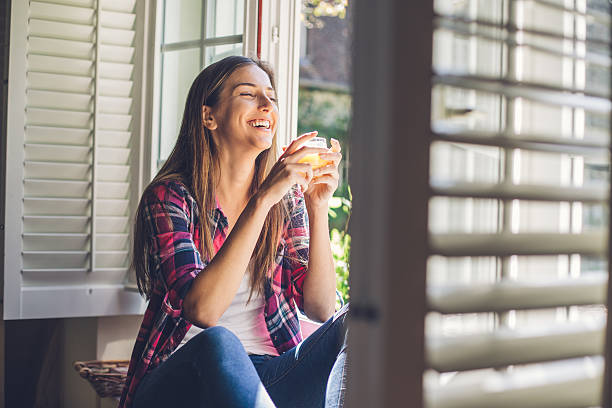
x=227 y=248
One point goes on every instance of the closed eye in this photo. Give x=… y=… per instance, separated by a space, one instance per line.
x=247 y=94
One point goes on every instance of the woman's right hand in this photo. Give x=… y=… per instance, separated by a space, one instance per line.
x=287 y=172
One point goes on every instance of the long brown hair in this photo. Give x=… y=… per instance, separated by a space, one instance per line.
x=194 y=163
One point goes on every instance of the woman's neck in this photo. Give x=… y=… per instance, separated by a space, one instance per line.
x=236 y=176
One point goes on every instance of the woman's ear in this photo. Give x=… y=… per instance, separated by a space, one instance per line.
x=207 y=119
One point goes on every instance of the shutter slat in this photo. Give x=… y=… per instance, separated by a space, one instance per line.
x=112 y=207
x=56 y=206
x=59 y=100
x=113 y=173
x=115 y=105
x=57 y=12
x=111 y=242
x=112 y=224
x=58 y=118
x=61 y=48
x=56 y=188
x=60 y=65
x=111 y=138
x=114 y=121
x=116 y=53
x=512 y=89
x=515 y=295
x=62 y=31
x=115 y=87
x=588 y=243
x=75 y=224
x=509 y=347
x=469 y=30
x=60 y=136
x=107 y=189
x=111 y=259
x=124 y=6
x=563 y=384
x=593 y=146
x=113 y=70
x=55 y=259
x=51 y=170
x=111 y=155
x=78 y=3
x=55 y=242
x=530 y=31
x=65 y=153
x=58 y=82
x=114 y=19
x=521 y=192
x=115 y=36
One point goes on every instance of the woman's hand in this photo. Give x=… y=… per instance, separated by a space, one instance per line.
x=287 y=172
x=324 y=179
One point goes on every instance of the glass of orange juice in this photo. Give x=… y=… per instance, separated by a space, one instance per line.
x=314 y=159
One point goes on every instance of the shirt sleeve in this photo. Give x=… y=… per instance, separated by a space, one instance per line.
x=297 y=241
x=175 y=257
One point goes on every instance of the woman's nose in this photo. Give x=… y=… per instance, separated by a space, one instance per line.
x=265 y=103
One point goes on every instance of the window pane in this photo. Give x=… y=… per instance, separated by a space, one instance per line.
x=182 y=20
x=224 y=18
x=178 y=71
x=218 y=52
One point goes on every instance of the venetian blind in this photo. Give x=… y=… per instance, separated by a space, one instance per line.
x=73 y=224
x=518 y=218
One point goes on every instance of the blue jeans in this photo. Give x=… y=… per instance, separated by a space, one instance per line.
x=214 y=370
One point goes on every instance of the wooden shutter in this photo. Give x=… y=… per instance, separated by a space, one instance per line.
x=521 y=322
x=71 y=98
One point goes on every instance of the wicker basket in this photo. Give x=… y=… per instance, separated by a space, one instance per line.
x=106 y=377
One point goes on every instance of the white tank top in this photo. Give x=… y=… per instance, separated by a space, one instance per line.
x=247 y=322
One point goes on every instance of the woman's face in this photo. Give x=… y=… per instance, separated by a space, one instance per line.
x=246 y=115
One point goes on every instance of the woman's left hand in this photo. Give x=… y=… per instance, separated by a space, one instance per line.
x=325 y=179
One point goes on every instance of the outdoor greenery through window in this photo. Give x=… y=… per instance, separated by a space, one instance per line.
x=324 y=104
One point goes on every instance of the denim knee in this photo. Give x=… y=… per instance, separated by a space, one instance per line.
x=217 y=339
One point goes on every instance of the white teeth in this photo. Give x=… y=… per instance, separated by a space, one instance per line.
x=260 y=123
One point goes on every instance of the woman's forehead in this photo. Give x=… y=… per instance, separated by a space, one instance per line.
x=250 y=74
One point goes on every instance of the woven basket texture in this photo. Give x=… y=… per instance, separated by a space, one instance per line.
x=106 y=377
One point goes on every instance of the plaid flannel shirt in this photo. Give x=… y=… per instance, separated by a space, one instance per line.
x=172 y=215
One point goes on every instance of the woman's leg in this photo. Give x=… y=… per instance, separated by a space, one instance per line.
x=312 y=374
x=210 y=370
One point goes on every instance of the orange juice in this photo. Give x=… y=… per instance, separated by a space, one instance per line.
x=313 y=159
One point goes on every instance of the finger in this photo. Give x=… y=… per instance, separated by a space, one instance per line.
x=302 y=152
x=297 y=143
x=325 y=179
x=329 y=169
x=335 y=145
x=334 y=157
x=300 y=170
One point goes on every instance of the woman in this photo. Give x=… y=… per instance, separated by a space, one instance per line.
x=228 y=241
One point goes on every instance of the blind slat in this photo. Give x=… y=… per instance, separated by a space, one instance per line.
x=563 y=384
x=58 y=12
x=594 y=146
x=58 y=82
x=509 y=191
x=513 y=89
x=587 y=243
x=514 y=346
x=515 y=295
x=56 y=206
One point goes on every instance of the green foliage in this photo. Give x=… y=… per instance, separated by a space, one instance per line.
x=341 y=242
x=313 y=10
x=341 y=250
